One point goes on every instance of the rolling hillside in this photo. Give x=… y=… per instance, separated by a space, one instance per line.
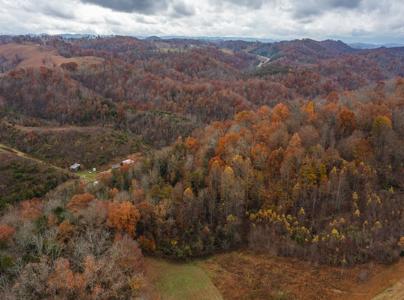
x=24 y=178
x=263 y=170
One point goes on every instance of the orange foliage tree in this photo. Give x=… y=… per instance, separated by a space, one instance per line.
x=191 y=144
x=31 y=209
x=80 y=201
x=123 y=217
x=280 y=112
x=346 y=122
x=6 y=232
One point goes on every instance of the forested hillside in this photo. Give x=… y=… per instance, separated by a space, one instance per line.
x=24 y=178
x=301 y=179
x=292 y=149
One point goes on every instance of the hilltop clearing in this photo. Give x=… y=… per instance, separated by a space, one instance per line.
x=29 y=55
x=92 y=146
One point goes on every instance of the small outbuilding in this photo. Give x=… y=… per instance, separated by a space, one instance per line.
x=127 y=162
x=75 y=167
x=115 y=166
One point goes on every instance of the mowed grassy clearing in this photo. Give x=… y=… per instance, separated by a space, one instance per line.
x=87 y=176
x=181 y=281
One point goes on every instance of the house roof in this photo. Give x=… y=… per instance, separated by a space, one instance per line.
x=128 y=161
x=75 y=165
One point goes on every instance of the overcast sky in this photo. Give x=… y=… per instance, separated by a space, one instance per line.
x=377 y=21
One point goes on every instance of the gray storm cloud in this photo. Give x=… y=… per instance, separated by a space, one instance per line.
x=300 y=8
x=309 y=8
x=358 y=20
x=147 y=7
x=180 y=9
x=256 y=4
x=141 y=6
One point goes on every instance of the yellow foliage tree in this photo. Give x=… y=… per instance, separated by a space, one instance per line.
x=188 y=194
x=309 y=109
x=380 y=123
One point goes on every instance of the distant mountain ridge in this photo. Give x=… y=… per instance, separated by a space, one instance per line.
x=73 y=36
x=375 y=46
x=304 y=50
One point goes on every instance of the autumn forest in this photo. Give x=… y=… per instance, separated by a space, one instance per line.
x=190 y=149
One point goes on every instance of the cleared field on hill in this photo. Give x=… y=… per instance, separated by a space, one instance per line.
x=181 y=281
x=62 y=146
x=245 y=275
x=34 y=56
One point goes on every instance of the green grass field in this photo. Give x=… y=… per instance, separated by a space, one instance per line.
x=181 y=281
x=87 y=176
